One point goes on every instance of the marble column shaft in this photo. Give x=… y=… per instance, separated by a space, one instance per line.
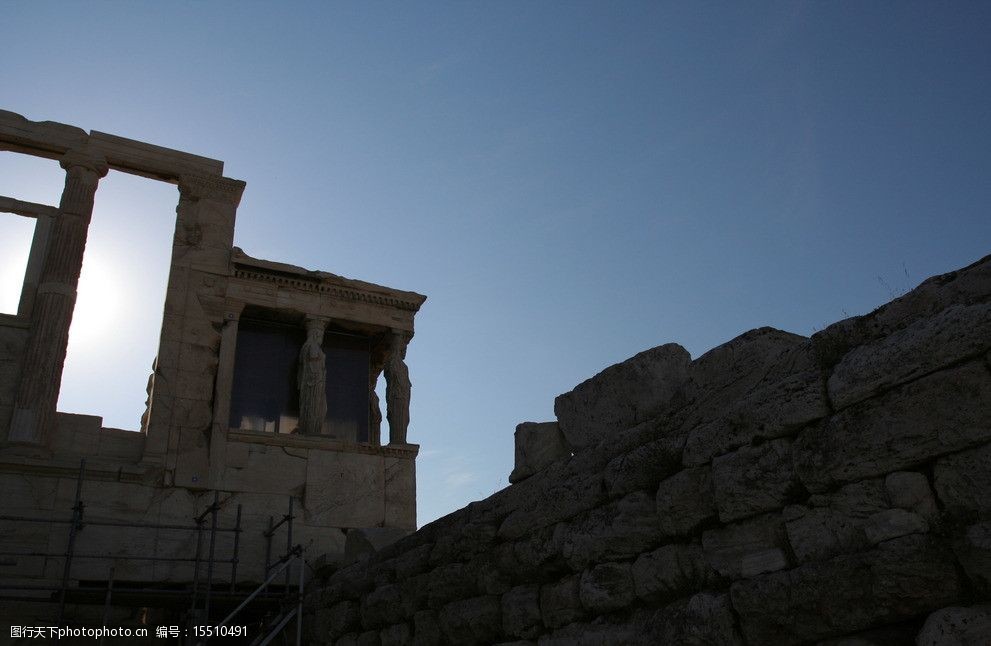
x=44 y=356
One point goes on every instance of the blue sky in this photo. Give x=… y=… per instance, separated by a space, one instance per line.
x=569 y=183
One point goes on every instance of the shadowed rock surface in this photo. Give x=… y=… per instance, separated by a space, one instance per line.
x=776 y=490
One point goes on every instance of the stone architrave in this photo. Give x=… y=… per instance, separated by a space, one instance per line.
x=56 y=297
x=397 y=389
x=312 y=379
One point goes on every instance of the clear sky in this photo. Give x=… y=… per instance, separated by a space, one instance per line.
x=570 y=183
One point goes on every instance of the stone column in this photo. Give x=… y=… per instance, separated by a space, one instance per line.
x=397 y=388
x=34 y=413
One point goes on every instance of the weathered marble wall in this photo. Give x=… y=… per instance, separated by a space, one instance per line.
x=776 y=490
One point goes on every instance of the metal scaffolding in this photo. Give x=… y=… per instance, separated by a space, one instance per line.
x=202 y=593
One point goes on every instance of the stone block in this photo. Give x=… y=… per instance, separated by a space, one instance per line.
x=644 y=467
x=892 y=523
x=489 y=579
x=704 y=619
x=685 y=501
x=858 y=515
x=472 y=539
x=381 y=607
x=368 y=540
x=561 y=499
x=521 y=612
x=671 y=570
x=600 y=631
x=368 y=638
x=472 y=621
x=747 y=549
x=415 y=593
x=538 y=445
x=939 y=414
x=400 y=493
x=622 y=395
x=973 y=549
x=910 y=490
x=899 y=580
x=344 y=489
x=449 y=582
x=789 y=395
x=395 y=635
x=754 y=479
x=560 y=603
x=722 y=378
x=426 y=629
x=540 y=553
x=956 y=626
x=606 y=587
x=963 y=483
x=965 y=286
x=27 y=495
x=264 y=468
x=413 y=562
x=821 y=533
x=342 y=617
x=927 y=345
x=621 y=529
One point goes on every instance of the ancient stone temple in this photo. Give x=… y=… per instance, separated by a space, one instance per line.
x=262 y=430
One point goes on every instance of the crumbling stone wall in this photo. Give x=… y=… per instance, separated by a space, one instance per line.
x=776 y=490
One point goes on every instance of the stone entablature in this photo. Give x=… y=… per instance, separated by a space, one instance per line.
x=187 y=449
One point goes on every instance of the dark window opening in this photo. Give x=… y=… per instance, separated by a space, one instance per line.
x=348 y=359
x=265 y=391
x=264 y=396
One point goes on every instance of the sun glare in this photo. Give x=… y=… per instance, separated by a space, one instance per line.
x=16 y=233
x=97 y=306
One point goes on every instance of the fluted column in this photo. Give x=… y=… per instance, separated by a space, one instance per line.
x=37 y=396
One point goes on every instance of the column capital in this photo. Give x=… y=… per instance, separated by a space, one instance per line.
x=85 y=160
x=198 y=187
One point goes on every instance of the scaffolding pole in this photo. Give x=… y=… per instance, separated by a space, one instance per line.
x=74 y=526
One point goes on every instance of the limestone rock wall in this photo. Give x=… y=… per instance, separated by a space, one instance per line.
x=776 y=490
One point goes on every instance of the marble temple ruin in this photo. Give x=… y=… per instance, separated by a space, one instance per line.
x=262 y=430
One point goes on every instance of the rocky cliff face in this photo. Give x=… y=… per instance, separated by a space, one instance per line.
x=776 y=490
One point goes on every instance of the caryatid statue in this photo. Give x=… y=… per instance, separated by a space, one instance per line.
x=312 y=379
x=397 y=389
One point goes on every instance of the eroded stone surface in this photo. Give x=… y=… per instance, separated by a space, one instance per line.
x=901 y=579
x=538 y=445
x=685 y=501
x=933 y=416
x=471 y=621
x=670 y=570
x=956 y=626
x=790 y=394
x=754 y=479
x=521 y=612
x=703 y=619
x=560 y=603
x=618 y=530
x=973 y=549
x=747 y=549
x=622 y=395
x=927 y=345
x=605 y=587
x=823 y=527
x=963 y=482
